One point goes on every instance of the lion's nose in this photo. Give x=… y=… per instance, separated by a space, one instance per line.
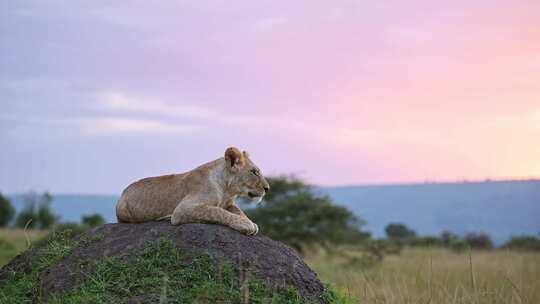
x=266 y=188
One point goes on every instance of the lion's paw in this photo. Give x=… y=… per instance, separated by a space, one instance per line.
x=256 y=229
x=253 y=229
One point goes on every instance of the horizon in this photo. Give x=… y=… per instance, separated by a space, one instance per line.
x=425 y=183
x=94 y=97
x=500 y=208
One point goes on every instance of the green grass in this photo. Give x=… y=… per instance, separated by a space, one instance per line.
x=434 y=275
x=23 y=287
x=164 y=276
x=160 y=274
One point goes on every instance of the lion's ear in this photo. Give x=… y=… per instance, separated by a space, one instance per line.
x=246 y=154
x=234 y=158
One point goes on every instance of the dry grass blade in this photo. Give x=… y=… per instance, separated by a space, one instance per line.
x=28 y=241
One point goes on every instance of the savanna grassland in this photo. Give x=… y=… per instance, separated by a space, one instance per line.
x=433 y=275
x=15 y=241
x=416 y=275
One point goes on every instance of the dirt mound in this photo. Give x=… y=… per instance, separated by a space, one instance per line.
x=259 y=257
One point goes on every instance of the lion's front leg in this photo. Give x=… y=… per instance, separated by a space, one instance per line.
x=233 y=208
x=213 y=215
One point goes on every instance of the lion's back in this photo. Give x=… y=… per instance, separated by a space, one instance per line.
x=150 y=198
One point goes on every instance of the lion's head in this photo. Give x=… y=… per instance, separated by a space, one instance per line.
x=246 y=178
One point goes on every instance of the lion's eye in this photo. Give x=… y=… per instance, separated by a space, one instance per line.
x=254 y=171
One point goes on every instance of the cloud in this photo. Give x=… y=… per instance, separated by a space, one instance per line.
x=120 y=101
x=113 y=100
x=205 y=117
x=109 y=125
x=115 y=125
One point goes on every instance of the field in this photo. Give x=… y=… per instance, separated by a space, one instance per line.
x=14 y=241
x=435 y=276
x=417 y=275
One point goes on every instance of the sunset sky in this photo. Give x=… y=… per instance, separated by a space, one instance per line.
x=95 y=95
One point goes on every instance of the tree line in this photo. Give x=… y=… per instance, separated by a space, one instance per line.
x=37 y=214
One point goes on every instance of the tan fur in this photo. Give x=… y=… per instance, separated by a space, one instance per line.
x=204 y=195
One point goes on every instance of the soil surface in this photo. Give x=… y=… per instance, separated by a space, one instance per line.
x=260 y=256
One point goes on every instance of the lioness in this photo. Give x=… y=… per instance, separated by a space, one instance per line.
x=203 y=195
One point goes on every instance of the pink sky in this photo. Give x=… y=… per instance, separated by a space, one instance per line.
x=339 y=92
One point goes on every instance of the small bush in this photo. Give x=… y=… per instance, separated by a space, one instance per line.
x=364 y=261
x=399 y=231
x=380 y=248
x=426 y=241
x=93 y=220
x=69 y=228
x=45 y=216
x=458 y=245
x=524 y=243
x=6 y=211
x=66 y=230
x=448 y=238
x=27 y=218
x=478 y=240
x=335 y=296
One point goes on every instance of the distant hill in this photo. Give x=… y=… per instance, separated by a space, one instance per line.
x=500 y=209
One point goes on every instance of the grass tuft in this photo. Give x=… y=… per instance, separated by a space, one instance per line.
x=21 y=287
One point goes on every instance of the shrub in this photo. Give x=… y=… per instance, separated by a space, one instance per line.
x=69 y=228
x=524 y=242
x=27 y=217
x=448 y=238
x=426 y=241
x=458 y=245
x=45 y=216
x=93 y=220
x=398 y=231
x=380 y=248
x=66 y=230
x=365 y=261
x=6 y=211
x=478 y=240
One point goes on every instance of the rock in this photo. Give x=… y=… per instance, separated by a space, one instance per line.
x=265 y=259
